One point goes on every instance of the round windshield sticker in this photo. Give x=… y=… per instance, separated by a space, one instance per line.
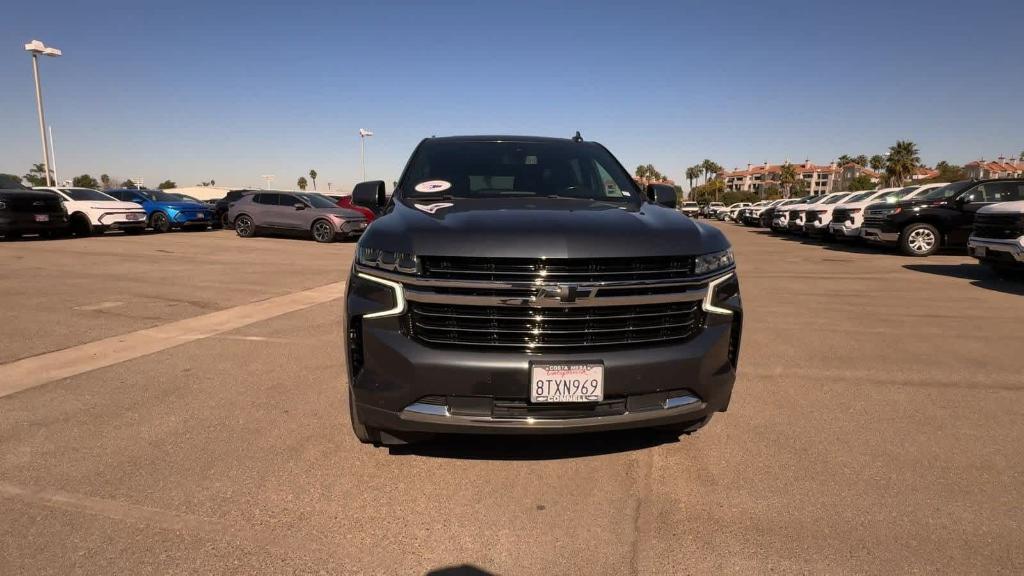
x=433 y=186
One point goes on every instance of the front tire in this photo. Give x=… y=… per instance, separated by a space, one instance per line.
x=81 y=226
x=159 y=222
x=245 y=227
x=920 y=240
x=323 y=232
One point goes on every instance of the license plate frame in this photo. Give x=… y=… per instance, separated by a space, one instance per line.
x=575 y=382
x=42 y=217
x=134 y=216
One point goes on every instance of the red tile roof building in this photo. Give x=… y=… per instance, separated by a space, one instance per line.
x=820 y=179
x=1002 y=168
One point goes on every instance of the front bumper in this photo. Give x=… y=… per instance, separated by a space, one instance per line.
x=192 y=218
x=844 y=229
x=877 y=235
x=815 y=228
x=402 y=384
x=997 y=250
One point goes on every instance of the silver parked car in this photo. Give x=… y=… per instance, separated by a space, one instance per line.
x=294 y=213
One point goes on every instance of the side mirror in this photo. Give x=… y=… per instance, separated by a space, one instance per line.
x=662 y=195
x=300 y=206
x=369 y=195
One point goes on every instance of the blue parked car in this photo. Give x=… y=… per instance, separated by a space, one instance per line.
x=165 y=211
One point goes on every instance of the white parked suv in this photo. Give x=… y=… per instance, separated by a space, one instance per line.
x=691 y=209
x=998 y=237
x=730 y=212
x=711 y=211
x=818 y=216
x=780 y=219
x=848 y=216
x=795 y=222
x=91 y=211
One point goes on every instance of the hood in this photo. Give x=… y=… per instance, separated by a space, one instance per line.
x=912 y=203
x=182 y=205
x=539 y=228
x=109 y=204
x=1015 y=207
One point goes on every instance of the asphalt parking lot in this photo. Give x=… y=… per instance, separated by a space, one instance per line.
x=174 y=404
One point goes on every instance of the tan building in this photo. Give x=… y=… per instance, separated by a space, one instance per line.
x=851 y=170
x=820 y=179
x=1002 y=168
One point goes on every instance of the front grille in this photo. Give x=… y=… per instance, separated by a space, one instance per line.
x=841 y=215
x=873 y=221
x=32 y=203
x=795 y=214
x=557 y=269
x=811 y=216
x=562 y=328
x=999 y=226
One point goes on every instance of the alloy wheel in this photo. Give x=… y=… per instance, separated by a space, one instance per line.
x=322 y=231
x=921 y=240
x=244 y=226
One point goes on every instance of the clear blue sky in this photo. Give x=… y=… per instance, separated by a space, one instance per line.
x=192 y=90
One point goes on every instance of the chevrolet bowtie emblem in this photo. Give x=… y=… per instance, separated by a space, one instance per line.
x=567 y=293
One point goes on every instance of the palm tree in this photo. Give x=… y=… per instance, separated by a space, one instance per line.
x=692 y=173
x=715 y=168
x=787 y=177
x=844 y=160
x=105 y=179
x=861 y=160
x=302 y=182
x=312 y=176
x=903 y=159
x=652 y=173
x=877 y=162
x=705 y=167
x=641 y=172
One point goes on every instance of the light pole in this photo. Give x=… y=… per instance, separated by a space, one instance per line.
x=269 y=178
x=363 y=135
x=36 y=48
x=53 y=157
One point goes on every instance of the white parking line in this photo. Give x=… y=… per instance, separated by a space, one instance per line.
x=36 y=370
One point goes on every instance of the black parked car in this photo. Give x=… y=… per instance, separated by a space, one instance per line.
x=941 y=217
x=220 y=207
x=524 y=285
x=31 y=212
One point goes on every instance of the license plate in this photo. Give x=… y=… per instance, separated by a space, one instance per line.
x=42 y=217
x=200 y=216
x=135 y=216
x=981 y=251
x=566 y=383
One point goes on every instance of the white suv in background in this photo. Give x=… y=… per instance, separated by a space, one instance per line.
x=998 y=237
x=691 y=209
x=730 y=212
x=818 y=216
x=91 y=211
x=795 y=222
x=848 y=216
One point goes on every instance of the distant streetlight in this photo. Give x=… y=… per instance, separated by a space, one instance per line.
x=269 y=178
x=363 y=135
x=36 y=48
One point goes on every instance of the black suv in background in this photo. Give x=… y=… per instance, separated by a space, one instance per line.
x=220 y=207
x=31 y=212
x=524 y=285
x=941 y=217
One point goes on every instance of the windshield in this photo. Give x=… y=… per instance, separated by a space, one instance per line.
x=161 y=196
x=859 y=197
x=85 y=194
x=517 y=169
x=947 y=191
x=186 y=197
x=689 y=204
x=317 y=201
x=835 y=199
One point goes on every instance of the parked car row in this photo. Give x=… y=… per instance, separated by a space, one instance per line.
x=57 y=211
x=985 y=216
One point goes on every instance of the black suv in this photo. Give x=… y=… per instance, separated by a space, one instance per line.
x=941 y=217
x=220 y=207
x=523 y=285
x=30 y=212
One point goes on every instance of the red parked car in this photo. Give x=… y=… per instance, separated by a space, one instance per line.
x=346 y=202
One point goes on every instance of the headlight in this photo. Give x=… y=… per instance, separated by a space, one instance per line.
x=387 y=260
x=890 y=211
x=715 y=261
x=3 y=205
